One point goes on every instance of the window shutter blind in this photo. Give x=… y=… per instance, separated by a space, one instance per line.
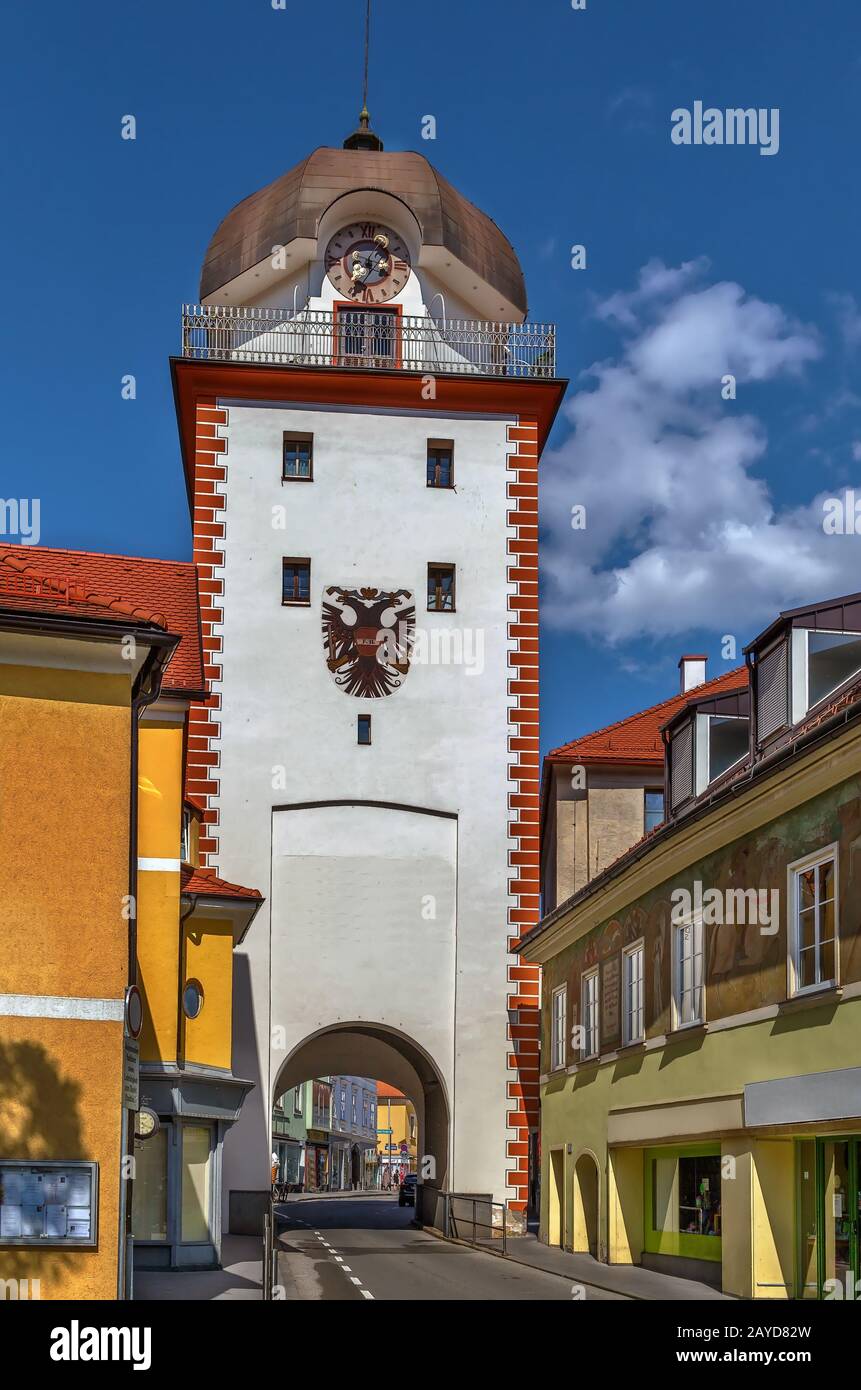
x=772 y=692
x=682 y=764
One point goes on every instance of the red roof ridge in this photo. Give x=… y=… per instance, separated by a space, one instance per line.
x=97 y=554
x=678 y=699
x=78 y=593
x=165 y=592
x=205 y=881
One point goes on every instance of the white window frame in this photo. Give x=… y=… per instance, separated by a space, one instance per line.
x=653 y=791
x=702 y=744
x=558 y=1025
x=694 y=925
x=185 y=837
x=586 y=1053
x=793 y=873
x=799 y=680
x=636 y=947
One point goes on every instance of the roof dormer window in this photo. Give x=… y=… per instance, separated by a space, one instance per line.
x=821 y=663
x=722 y=741
x=803 y=658
x=705 y=740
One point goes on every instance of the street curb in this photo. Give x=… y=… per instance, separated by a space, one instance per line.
x=525 y=1264
x=328 y=1197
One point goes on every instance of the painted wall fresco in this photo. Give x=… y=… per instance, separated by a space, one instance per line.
x=745 y=967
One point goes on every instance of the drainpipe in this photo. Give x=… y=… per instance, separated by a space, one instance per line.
x=183 y=918
x=146 y=689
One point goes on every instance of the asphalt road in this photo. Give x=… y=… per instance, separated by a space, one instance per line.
x=365 y=1248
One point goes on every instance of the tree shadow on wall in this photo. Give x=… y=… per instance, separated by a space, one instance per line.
x=39 y=1120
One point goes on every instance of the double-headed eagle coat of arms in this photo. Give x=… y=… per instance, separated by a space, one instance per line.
x=367 y=639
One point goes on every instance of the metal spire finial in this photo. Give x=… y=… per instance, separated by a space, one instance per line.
x=364 y=138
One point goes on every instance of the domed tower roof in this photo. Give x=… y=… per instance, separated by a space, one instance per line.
x=293 y=205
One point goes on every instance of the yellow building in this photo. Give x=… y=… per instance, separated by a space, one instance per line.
x=397 y=1134
x=75 y=668
x=700 y=1078
x=103 y=657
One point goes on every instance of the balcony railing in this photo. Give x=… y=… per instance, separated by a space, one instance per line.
x=377 y=338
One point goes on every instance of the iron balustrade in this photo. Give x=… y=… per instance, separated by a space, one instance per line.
x=375 y=338
x=475 y=1220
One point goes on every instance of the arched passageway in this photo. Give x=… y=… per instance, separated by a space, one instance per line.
x=380 y=1052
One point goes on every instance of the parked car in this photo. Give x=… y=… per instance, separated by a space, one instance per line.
x=407 y=1194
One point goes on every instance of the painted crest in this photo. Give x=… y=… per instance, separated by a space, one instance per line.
x=367 y=639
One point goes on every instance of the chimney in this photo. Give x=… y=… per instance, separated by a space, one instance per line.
x=692 y=671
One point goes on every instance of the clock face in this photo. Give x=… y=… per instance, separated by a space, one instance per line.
x=367 y=262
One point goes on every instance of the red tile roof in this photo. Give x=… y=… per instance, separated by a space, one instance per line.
x=37 y=579
x=637 y=739
x=387 y=1092
x=207 y=883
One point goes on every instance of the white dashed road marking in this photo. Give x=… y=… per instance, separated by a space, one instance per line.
x=339 y=1259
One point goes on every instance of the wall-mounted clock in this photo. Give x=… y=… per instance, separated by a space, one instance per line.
x=367 y=262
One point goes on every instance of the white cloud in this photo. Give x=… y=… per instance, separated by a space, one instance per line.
x=681 y=533
x=848 y=317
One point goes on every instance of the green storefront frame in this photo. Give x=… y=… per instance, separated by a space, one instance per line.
x=829 y=1217
x=683 y=1243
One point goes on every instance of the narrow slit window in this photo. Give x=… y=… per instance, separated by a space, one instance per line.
x=296 y=583
x=440 y=588
x=440 y=471
x=364 y=727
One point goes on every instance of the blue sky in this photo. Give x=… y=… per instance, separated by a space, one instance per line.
x=703 y=516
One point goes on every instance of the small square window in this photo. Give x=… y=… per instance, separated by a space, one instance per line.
x=440 y=463
x=364 y=725
x=296 y=582
x=298 y=457
x=440 y=588
x=654 y=810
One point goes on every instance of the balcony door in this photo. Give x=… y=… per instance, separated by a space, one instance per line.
x=366 y=337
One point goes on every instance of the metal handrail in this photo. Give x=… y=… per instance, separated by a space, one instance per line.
x=378 y=338
x=457 y=1227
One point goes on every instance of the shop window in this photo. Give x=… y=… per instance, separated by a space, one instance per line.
x=699 y=1196
x=683 y=1202
x=196 y=1178
x=813 y=930
x=149 y=1190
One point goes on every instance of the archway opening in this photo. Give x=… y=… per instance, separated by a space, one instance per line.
x=585 y=1213
x=359 y=1107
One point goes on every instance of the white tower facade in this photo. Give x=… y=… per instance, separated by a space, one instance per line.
x=362 y=411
